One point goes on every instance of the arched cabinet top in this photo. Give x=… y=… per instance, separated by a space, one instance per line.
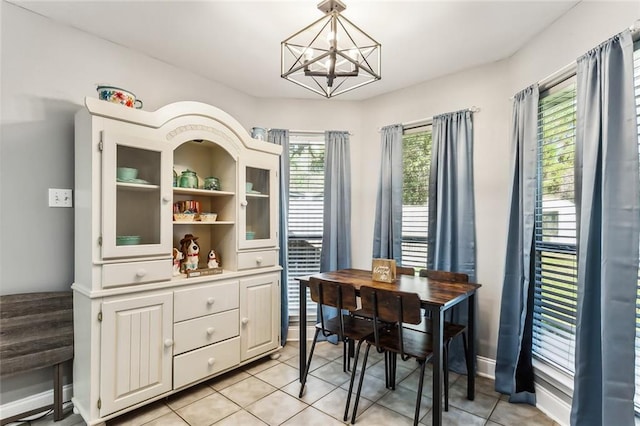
x=186 y=120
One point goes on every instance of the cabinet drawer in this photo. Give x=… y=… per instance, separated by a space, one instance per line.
x=131 y=273
x=198 y=364
x=204 y=331
x=257 y=259
x=205 y=300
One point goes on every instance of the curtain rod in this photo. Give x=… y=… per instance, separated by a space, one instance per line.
x=569 y=70
x=426 y=121
x=312 y=132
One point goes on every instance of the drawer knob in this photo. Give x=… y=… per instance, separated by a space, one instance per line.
x=211 y=301
x=243 y=203
x=210 y=330
x=259 y=260
x=166 y=199
x=141 y=272
x=245 y=320
x=210 y=361
x=168 y=343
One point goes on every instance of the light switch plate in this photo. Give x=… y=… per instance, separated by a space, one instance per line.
x=60 y=197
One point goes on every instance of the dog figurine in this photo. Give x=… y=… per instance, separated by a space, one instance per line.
x=213 y=259
x=191 y=252
x=177 y=260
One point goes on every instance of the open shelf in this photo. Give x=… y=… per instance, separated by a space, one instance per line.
x=201 y=192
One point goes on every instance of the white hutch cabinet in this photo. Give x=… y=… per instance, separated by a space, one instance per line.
x=142 y=333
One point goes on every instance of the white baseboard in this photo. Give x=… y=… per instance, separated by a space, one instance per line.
x=555 y=408
x=294 y=333
x=486 y=367
x=547 y=400
x=33 y=402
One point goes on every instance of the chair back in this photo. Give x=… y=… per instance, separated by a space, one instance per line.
x=340 y=296
x=389 y=306
x=405 y=270
x=445 y=276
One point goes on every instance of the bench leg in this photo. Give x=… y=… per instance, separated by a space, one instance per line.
x=57 y=392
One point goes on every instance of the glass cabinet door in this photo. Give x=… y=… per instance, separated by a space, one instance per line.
x=259 y=204
x=136 y=197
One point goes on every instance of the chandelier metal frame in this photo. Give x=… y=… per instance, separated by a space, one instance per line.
x=337 y=58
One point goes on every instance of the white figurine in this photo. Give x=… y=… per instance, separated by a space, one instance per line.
x=177 y=258
x=213 y=259
x=191 y=252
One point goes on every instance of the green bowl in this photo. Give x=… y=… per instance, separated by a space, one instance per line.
x=128 y=240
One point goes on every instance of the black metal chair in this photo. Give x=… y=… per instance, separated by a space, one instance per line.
x=345 y=326
x=389 y=310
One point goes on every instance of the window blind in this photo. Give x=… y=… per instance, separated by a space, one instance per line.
x=555 y=273
x=306 y=197
x=416 y=161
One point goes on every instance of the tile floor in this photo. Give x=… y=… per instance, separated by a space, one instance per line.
x=266 y=393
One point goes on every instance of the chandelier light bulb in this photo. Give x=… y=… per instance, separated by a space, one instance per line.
x=308 y=53
x=331 y=38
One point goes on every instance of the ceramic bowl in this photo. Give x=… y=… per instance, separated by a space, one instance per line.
x=249 y=186
x=208 y=217
x=126 y=173
x=128 y=240
x=259 y=133
x=118 y=96
x=251 y=235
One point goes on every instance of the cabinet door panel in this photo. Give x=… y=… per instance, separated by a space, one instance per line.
x=259 y=192
x=136 y=214
x=136 y=350
x=259 y=315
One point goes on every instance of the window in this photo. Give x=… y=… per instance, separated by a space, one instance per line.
x=306 y=198
x=555 y=276
x=416 y=161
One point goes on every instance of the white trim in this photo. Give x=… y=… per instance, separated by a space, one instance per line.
x=548 y=399
x=550 y=404
x=33 y=402
x=486 y=367
x=294 y=333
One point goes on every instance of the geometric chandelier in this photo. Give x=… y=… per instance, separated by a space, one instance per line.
x=332 y=55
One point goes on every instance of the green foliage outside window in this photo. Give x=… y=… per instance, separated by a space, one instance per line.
x=557 y=124
x=416 y=161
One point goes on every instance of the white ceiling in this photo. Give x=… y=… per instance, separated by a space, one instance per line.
x=237 y=42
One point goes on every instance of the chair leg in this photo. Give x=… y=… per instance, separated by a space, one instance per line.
x=306 y=370
x=467 y=355
x=394 y=365
x=445 y=367
x=364 y=366
x=353 y=377
x=387 y=369
x=419 y=399
x=345 y=358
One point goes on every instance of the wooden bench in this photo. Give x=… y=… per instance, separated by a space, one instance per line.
x=36 y=331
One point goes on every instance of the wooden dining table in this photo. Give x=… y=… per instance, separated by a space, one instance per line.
x=436 y=297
